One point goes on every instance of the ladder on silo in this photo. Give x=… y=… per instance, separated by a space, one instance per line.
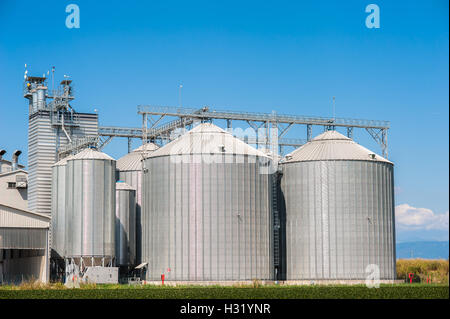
x=276 y=221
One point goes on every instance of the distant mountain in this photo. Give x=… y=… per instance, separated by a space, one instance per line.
x=404 y=236
x=423 y=249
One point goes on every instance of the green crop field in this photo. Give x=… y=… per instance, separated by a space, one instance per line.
x=398 y=291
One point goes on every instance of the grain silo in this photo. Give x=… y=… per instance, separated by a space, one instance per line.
x=90 y=208
x=207 y=209
x=58 y=216
x=339 y=206
x=129 y=170
x=125 y=224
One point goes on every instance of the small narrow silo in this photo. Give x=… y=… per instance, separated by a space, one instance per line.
x=125 y=224
x=339 y=207
x=58 y=208
x=207 y=209
x=90 y=208
x=129 y=170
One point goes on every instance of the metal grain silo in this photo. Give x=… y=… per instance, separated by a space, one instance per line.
x=58 y=208
x=207 y=209
x=339 y=207
x=90 y=207
x=129 y=170
x=125 y=224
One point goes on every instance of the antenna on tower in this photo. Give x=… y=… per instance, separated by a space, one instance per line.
x=53 y=80
x=334 y=109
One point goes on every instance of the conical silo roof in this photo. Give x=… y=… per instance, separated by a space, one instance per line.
x=133 y=160
x=332 y=145
x=120 y=185
x=63 y=161
x=91 y=153
x=207 y=138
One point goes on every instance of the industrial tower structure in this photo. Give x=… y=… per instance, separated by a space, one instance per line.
x=50 y=126
x=56 y=131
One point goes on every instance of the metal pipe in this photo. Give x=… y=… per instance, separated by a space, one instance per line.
x=2 y=152
x=41 y=97
x=15 y=159
x=64 y=129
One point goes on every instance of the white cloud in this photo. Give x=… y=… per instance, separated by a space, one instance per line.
x=412 y=218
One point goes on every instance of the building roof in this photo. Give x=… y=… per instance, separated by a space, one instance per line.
x=133 y=160
x=332 y=145
x=90 y=153
x=206 y=138
x=63 y=161
x=149 y=147
x=3 y=161
x=120 y=185
x=13 y=217
x=21 y=171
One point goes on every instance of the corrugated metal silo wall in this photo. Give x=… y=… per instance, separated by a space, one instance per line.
x=90 y=208
x=57 y=228
x=134 y=179
x=207 y=221
x=125 y=227
x=339 y=219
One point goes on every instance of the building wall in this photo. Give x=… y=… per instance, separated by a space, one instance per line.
x=19 y=265
x=16 y=197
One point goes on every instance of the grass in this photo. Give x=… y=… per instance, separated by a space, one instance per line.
x=435 y=270
x=57 y=291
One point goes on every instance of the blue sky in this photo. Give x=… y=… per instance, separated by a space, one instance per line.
x=256 y=56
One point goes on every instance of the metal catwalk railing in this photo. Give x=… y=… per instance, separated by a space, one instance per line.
x=262 y=117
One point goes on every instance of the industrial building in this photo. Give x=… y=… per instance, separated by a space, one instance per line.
x=194 y=203
x=129 y=171
x=338 y=211
x=51 y=126
x=23 y=234
x=125 y=225
x=13 y=181
x=23 y=245
x=90 y=209
x=207 y=209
